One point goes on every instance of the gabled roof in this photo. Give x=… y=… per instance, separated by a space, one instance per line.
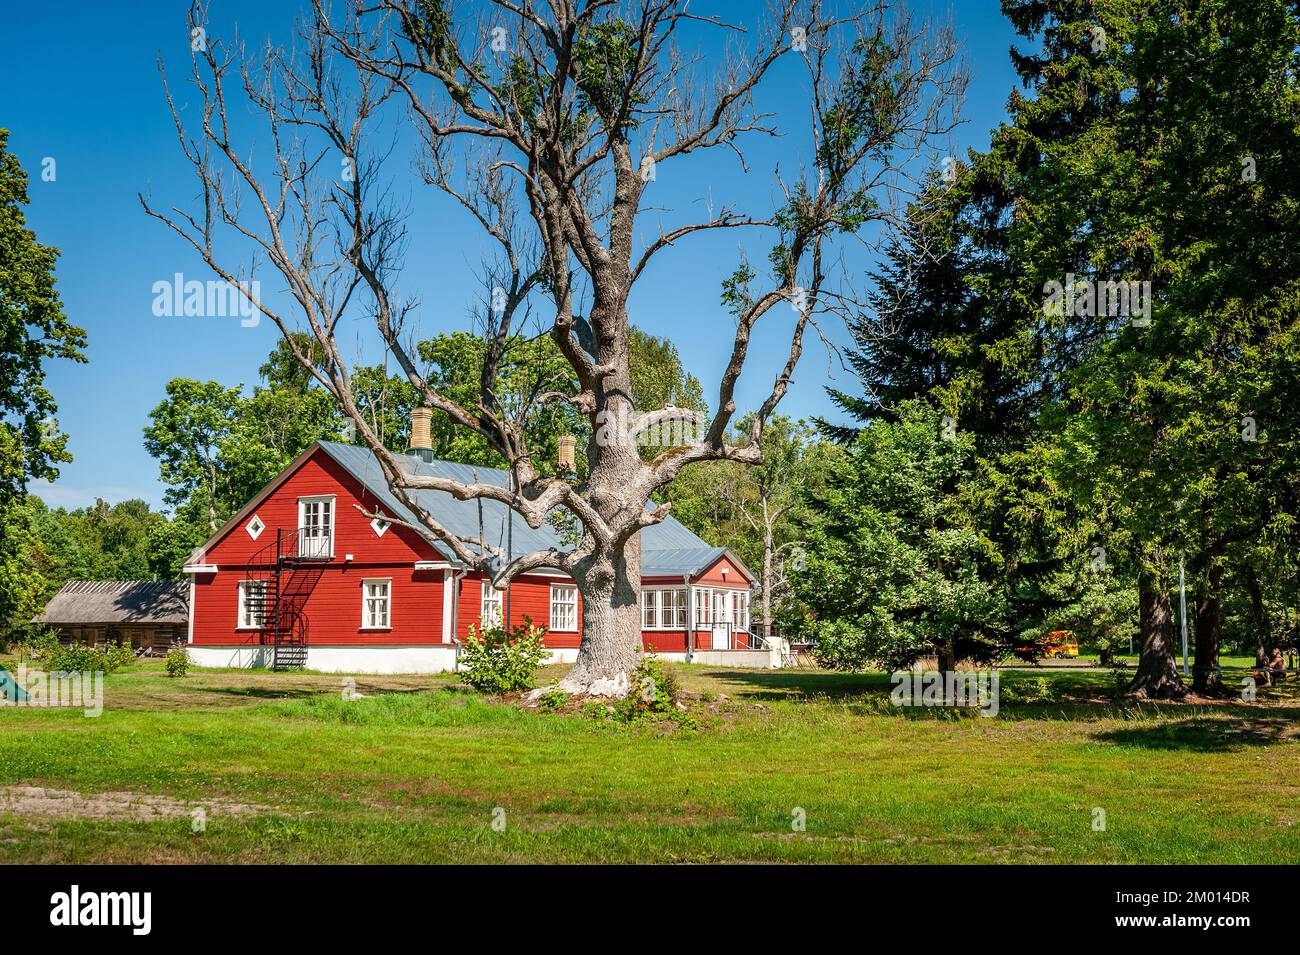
x=119 y=601
x=667 y=548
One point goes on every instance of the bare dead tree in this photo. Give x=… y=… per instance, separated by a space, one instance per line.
x=547 y=122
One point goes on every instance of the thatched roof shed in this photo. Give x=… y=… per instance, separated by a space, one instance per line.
x=118 y=602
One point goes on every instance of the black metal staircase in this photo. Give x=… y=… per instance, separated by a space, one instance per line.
x=279 y=578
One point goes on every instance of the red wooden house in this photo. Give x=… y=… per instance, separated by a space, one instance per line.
x=301 y=576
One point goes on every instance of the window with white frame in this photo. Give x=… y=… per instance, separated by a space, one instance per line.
x=376 y=604
x=740 y=610
x=701 y=606
x=316 y=526
x=252 y=604
x=490 y=613
x=672 y=610
x=663 y=609
x=564 y=608
x=649 y=610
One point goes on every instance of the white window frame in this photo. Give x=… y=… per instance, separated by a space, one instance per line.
x=564 y=598
x=244 y=621
x=255 y=526
x=649 y=609
x=491 y=598
x=740 y=610
x=367 y=618
x=667 y=614
x=332 y=523
x=701 y=607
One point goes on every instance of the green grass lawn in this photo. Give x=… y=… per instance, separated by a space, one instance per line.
x=288 y=771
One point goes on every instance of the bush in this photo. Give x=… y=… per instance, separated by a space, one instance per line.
x=653 y=694
x=499 y=662
x=118 y=656
x=178 y=662
x=1037 y=690
x=552 y=700
x=54 y=657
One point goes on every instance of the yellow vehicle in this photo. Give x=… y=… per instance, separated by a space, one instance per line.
x=1061 y=644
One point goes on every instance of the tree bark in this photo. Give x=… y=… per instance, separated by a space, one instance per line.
x=1157 y=674
x=610 y=585
x=609 y=578
x=1259 y=614
x=767 y=583
x=947 y=656
x=1209 y=627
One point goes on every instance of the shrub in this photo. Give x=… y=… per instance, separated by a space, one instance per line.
x=1038 y=690
x=54 y=657
x=118 y=656
x=653 y=694
x=499 y=662
x=178 y=662
x=552 y=700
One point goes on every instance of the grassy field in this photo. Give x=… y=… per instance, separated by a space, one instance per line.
x=286 y=770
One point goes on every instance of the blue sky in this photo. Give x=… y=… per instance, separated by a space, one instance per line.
x=79 y=84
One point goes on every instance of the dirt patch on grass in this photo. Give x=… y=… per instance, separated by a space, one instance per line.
x=38 y=802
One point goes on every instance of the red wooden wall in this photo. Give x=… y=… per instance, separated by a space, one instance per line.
x=334 y=605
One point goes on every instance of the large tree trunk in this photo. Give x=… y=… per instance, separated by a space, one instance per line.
x=1209 y=621
x=1259 y=614
x=609 y=579
x=1157 y=674
x=947 y=656
x=611 y=623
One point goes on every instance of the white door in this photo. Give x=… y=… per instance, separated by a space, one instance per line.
x=316 y=521
x=720 y=615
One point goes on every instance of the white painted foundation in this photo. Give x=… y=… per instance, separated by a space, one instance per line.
x=435 y=658
x=371 y=660
x=743 y=659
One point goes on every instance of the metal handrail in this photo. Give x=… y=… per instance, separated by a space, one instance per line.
x=291 y=545
x=708 y=626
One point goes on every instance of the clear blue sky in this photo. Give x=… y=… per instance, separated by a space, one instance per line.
x=78 y=83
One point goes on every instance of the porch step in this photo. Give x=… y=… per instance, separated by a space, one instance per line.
x=289 y=657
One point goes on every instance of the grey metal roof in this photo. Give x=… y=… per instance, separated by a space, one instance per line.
x=678 y=560
x=666 y=548
x=119 y=601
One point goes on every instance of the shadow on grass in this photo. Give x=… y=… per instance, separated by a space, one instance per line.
x=827 y=684
x=796 y=684
x=1208 y=734
x=1076 y=697
x=265 y=692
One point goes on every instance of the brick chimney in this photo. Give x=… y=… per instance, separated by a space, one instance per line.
x=568 y=444
x=421 y=436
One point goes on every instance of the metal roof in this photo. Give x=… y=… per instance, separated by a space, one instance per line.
x=666 y=548
x=119 y=601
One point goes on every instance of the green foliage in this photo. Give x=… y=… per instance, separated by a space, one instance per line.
x=178 y=662
x=605 y=56
x=897 y=564
x=33 y=330
x=1034 y=690
x=499 y=662
x=755 y=510
x=653 y=695
x=552 y=700
x=659 y=379
x=55 y=657
x=527 y=368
